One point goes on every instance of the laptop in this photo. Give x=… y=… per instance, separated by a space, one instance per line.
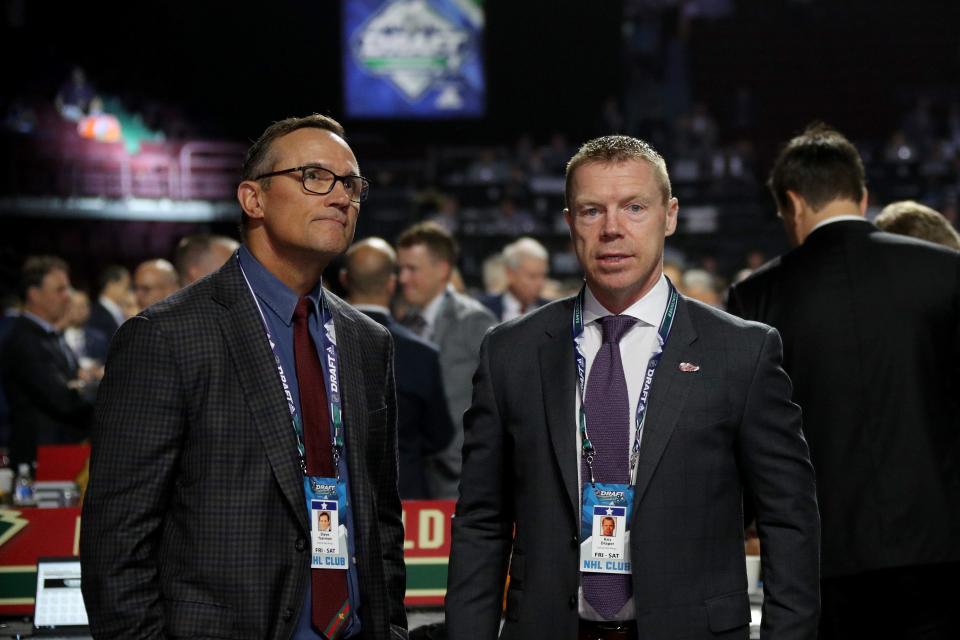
x=59 y=611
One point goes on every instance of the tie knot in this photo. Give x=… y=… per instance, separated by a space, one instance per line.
x=614 y=327
x=302 y=311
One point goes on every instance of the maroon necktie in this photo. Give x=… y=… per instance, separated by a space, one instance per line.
x=329 y=598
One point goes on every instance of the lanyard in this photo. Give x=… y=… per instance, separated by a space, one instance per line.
x=663 y=332
x=331 y=377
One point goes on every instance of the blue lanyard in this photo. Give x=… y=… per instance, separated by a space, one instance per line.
x=331 y=377
x=663 y=332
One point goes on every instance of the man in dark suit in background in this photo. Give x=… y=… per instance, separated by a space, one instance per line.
x=106 y=314
x=219 y=426
x=717 y=421
x=525 y=263
x=870 y=330
x=423 y=423
x=50 y=403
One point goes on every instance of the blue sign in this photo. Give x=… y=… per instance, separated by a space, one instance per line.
x=413 y=59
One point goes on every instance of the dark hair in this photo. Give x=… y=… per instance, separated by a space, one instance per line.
x=821 y=166
x=113 y=273
x=616 y=149
x=435 y=238
x=35 y=269
x=259 y=158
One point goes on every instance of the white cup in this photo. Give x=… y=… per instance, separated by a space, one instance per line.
x=753 y=574
x=6 y=482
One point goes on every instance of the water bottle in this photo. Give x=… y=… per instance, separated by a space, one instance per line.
x=23 y=487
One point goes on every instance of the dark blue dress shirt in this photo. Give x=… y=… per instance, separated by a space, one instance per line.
x=277 y=302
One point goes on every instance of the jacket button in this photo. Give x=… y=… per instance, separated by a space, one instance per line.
x=572 y=602
x=287 y=614
x=300 y=545
x=575 y=542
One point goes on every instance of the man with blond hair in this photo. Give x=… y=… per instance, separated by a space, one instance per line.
x=633 y=402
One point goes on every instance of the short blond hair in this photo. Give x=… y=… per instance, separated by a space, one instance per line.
x=910 y=218
x=614 y=150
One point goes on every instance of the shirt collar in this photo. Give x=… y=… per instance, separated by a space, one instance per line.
x=373 y=308
x=432 y=310
x=46 y=326
x=824 y=223
x=511 y=304
x=649 y=309
x=281 y=299
x=113 y=308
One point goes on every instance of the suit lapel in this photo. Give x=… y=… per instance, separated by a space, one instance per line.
x=558 y=381
x=254 y=363
x=446 y=318
x=667 y=397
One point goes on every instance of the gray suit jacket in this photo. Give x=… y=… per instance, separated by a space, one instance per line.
x=457 y=332
x=194 y=523
x=709 y=435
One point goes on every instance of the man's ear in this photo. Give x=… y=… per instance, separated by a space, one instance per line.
x=250 y=197
x=798 y=203
x=344 y=280
x=864 y=201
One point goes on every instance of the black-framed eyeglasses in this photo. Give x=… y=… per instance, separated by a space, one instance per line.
x=322 y=181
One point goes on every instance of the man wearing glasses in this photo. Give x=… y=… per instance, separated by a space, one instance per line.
x=235 y=412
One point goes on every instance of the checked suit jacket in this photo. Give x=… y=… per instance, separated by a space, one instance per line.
x=709 y=435
x=194 y=523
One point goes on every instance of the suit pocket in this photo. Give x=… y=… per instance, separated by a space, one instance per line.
x=728 y=612
x=187 y=619
x=518 y=566
x=514 y=600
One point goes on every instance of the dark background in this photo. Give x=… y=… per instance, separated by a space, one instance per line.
x=233 y=68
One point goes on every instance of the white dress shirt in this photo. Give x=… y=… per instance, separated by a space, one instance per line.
x=636 y=347
x=511 y=307
x=431 y=311
x=114 y=310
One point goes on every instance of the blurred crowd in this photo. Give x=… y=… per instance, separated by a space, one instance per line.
x=405 y=285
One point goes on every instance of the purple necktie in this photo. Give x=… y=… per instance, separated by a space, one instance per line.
x=608 y=425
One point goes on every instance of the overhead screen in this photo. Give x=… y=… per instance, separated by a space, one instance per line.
x=413 y=59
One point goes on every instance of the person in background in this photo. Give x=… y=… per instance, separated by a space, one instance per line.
x=89 y=345
x=221 y=432
x=701 y=285
x=455 y=323
x=200 y=255
x=50 y=403
x=674 y=272
x=494 y=275
x=107 y=313
x=869 y=323
x=424 y=428
x=154 y=280
x=74 y=96
x=525 y=264
x=909 y=218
